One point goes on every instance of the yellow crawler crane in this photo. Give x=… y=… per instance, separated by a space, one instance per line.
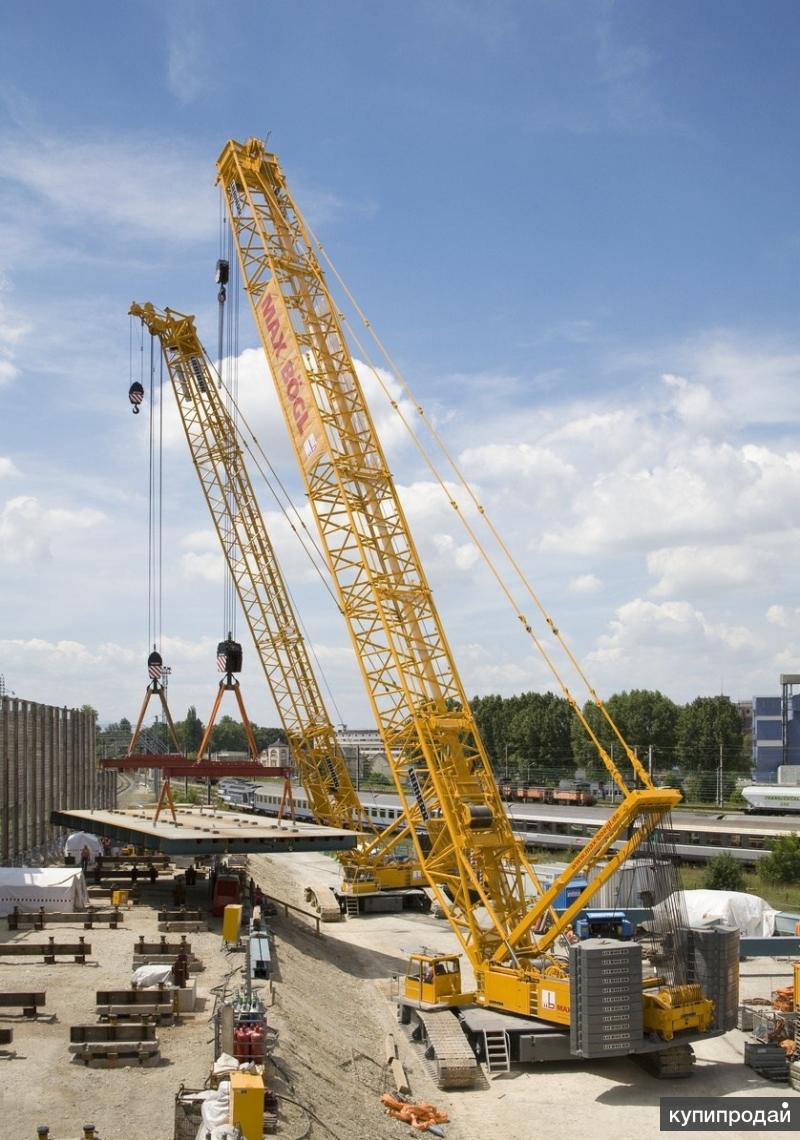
x=376 y=867
x=475 y=866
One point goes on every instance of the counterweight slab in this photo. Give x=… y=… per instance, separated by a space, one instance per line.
x=205 y=831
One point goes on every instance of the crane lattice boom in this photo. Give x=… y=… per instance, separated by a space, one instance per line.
x=473 y=861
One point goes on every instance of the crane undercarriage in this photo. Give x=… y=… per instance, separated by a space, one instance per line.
x=638 y=1016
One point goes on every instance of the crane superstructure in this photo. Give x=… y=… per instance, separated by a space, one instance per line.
x=477 y=868
x=219 y=461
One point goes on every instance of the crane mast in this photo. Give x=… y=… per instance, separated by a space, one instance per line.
x=473 y=861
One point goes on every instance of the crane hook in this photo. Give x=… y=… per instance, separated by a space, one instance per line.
x=136 y=395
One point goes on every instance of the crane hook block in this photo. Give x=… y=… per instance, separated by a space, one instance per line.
x=222 y=272
x=229 y=656
x=136 y=395
x=154 y=665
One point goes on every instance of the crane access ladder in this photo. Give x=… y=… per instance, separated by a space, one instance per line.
x=495 y=1049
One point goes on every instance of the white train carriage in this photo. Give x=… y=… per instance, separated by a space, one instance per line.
x=696 y=837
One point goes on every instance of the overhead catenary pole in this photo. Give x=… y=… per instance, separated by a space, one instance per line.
x=720 y=790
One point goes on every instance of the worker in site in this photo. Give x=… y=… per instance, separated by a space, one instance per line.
x=86 y=857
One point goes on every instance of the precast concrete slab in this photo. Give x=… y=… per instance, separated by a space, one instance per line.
x=205 y=831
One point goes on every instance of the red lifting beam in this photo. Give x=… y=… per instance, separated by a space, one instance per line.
x=175 y=764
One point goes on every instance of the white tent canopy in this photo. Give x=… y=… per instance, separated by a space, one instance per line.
x=31 y=888
x=76 y=842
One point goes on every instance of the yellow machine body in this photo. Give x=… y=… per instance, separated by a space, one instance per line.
x=231 y=922
x=360 y=880
x=247 y=1104
x=674 y=1009
x=435 y=980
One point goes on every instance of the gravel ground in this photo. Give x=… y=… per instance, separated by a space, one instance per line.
x=42 y=1084
x=330 y=1008
x=340 y=998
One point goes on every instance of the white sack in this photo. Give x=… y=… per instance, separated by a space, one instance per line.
x=148 y=977
x=225 y=1063
x=216 y=1111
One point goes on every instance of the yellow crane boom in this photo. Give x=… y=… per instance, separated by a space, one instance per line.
x=474 y=863
x=237 y=518
x=379 y=864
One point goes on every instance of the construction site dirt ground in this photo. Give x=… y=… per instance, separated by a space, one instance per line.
x=329 y=1009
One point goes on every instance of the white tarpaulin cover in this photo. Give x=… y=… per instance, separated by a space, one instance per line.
x=149 y=977
x=54 y=888
x=751 y=914
x=76 y=842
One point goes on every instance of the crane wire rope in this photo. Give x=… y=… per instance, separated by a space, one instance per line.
x=225 y=365
x=244 y=434
x=150 y=505
x=227 y=375
x=160 y=567
x=241 y=423
x=487 y=558
x=155 y=505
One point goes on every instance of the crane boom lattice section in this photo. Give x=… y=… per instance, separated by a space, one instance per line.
x=262 y=591
x=471 y=857
x=473 y=861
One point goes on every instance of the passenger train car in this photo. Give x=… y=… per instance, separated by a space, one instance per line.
x=696 y=837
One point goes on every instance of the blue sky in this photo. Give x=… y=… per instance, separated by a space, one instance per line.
x=573 y=224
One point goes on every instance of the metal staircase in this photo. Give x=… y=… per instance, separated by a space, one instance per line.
x=495 y=1044
x=351 y=906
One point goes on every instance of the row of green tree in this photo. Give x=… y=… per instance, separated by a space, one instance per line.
x=227 y=735
x=537 y=736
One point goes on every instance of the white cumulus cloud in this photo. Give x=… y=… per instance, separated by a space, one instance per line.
x=585 y=584
x=684 y=569
x=27 y=528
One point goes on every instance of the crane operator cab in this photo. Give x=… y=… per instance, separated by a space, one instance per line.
x=434 y=980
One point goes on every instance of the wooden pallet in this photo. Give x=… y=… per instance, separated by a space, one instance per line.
x=195 y=965
x=162 y=947
x=161 y=1012
x=29 y=1003
x=87 y=918
x=48 y=950
x=98 y=1056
